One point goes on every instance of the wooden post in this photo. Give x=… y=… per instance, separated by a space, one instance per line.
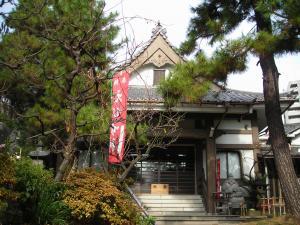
x=255 y=141
x=211 y=172
x=280 y=197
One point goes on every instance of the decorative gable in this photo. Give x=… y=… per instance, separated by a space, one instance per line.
x=158 y=51
x=159 y=59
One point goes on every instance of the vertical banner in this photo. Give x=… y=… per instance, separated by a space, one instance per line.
x=218 y=179
x=119 y=113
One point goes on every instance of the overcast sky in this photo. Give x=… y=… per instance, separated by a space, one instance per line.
x=174 y=15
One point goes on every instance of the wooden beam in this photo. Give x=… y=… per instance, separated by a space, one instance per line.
x=227 y=131
x=211 y=172
x=235 y=146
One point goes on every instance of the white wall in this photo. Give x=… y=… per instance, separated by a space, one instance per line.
x=233 y=124
x=234 y=138
x=144 y=75
x=291 y=112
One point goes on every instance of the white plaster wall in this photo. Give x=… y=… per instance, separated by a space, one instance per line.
x=144 y=75
x=247 y=157
x=234 y=139
x=290 y=112
x=233 y=124
x=296 y=141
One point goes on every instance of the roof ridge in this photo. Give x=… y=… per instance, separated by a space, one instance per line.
x=250 y=92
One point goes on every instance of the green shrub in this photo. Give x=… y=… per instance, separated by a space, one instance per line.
x=8 y=196
x=41 y=197
x=146 y=220
x=96 y=198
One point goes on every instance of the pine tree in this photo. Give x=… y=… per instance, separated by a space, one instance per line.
x=277 y=32
x=55 y=64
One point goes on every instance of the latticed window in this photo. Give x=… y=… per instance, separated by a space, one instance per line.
x=158 y=76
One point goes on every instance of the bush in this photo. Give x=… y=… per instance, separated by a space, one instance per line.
x=8 y=196
x=41 y=197
x=96 y=198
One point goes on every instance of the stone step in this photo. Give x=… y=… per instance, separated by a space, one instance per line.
x=196 y=218
x=173 y=201
x=178 y=209
x=207 y=219
x=176 y=213
x=173 y=205
x=196 y=222
x=149 y=196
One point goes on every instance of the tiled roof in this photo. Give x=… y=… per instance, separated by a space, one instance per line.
x=290 y=128
x=232 y=96
x=137 y=93
x=143 y=94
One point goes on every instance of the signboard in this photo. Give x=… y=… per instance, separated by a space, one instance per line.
x=119 y=113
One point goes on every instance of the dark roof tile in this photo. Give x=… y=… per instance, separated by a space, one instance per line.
x=137 y=93
x=290 y=128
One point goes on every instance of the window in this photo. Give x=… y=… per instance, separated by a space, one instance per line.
x=229 y=164
x=158 y=75
x=293 y=85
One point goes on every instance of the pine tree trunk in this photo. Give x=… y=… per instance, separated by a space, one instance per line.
x=282 y=154
x=69 y=149
x=64 y=168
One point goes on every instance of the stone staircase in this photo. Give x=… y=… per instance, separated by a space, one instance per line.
x=182 y=209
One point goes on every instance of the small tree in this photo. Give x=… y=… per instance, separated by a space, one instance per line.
x=62 y=87
x=148 y=129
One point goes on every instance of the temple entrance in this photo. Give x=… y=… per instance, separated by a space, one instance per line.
x=174 y=166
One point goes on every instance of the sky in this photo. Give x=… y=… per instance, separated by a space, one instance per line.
x=140 y=17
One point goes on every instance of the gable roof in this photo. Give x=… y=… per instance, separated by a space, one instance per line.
x=158 y=51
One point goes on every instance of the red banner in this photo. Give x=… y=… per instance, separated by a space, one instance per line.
x=119 y=113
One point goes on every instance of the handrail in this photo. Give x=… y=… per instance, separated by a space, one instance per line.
x=204 y=190
x=138 y=202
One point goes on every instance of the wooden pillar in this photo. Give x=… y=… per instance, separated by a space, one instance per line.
x=211 y=172
x=255 y=140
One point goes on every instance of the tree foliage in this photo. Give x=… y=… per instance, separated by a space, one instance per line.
x=193 y=78
x=56 y=62
x=215 y=19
